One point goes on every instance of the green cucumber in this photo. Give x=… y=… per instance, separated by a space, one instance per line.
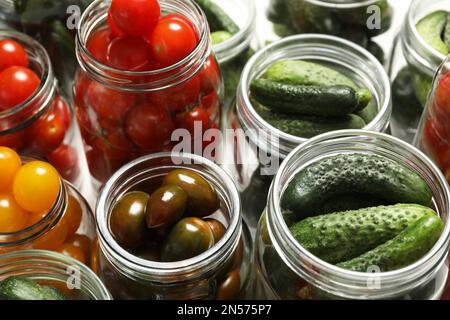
x=368 y=113
x=406 y=248
x=431 y=28
x=447 y=32
x=18 y=288
x=333 y=101
x=346 y=173
x=217 y=18
x=342 y=236
x=220 y=36
x=351 y=201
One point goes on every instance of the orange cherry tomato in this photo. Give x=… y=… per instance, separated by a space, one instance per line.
x=36 y=186
x=52 y=239
x=94 y=255
x=81 y=242
x=72 y=217
x=72 y=251
x=35 y=217
x=12 y=217
x=10 y=163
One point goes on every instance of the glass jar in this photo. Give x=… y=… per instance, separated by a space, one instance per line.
x=43 y=125
x=355 y=20
x=282 y=267
x=202 y=277
x=112 y=103
x=72 y=278
x=414 y=63
x=53 y=24
x=233 y=53
x=252 y=165
x=69 y=223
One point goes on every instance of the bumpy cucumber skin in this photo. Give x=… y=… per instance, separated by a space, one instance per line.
x=406 y=248
x=370 y=174
x=17 y=288
x=331 y=101
x=351 y=201
x=342 y=236
x=431 y=28
x=218 y=20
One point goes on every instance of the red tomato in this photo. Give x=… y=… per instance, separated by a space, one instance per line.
x=97 y=165
x=197 y=117
x=14 y=140
x=137 y=18
x=12 y=54
x=149 y=127
x=65 y=160
x=47 y=134
x=210 y=76
x=62 y=111
x=211 y=103
x=17 y=84
x=182 y=18
x=109 y=103
x=443 y=94
x=82 y=82
x=98 y=44
x=127 y=53
x=172 y=40
x=115 y=31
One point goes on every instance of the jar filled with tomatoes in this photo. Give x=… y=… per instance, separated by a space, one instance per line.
x=40 y=210
x=170 y=227
x=146 y=71
x=34 y=118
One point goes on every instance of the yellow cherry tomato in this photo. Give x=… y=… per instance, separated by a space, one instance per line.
x=36 y=186
x=72 y=216
x=35 y=217
x=10 y=163
x=12 y=217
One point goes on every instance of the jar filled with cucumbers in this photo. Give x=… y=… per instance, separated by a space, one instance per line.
x=354 y=214
x=232 y=25
x=293 y=90
x=422 y=45
x=357 y=21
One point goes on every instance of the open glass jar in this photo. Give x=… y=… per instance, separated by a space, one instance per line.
x=219 y=272
x=282 y=267
x=70 y=277
x=53 y=24
x=254 y=156
x=124 y=114
x=414 y=63
x=43 y=125
x=68 y=227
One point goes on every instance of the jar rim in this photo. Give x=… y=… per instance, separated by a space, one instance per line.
x=278 y=229
x=168 y=270
x=342 y=4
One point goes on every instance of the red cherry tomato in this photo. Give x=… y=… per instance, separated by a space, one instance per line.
x=196 y=118
x=149 y=127
x=47 y=134
x=127 y=53
x=14 y=140
x=182 y=18
x=443 y=94
x=97 y=165
x=17 y=84
x=211 y=102
x=65 y=160
x=82 y=82
x=98 y=44
x=109 y=103
x=210 y=76
x=172 y=40
x=12 y=54
x=115 y=31
x=62 y=112
x=136 y=18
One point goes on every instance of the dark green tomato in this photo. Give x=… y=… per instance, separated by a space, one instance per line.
x=127 y=221
x=202 y=198
x=230 y=287
x=165 y=206
x=217 y=228
x=190 y=237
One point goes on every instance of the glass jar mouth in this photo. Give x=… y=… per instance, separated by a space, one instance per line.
x=35 y=105
x=96 y=14
x=341 y=282
x=312 y=47
x=342 y=4
x=125 y=178
x=240 y=41
x=45 y=263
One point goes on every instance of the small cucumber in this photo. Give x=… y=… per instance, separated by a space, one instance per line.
x=342 y=236
x=18 y=288
x=406 y=248
x=368 y=113
x=220 y=36
x=333 y=101
x=346 y=173
x=431 y=28
x=217 y=18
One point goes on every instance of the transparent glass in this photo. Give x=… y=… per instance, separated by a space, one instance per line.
x=54 y=270
x=111 y=103
x=129 y=277
x=413 y=66
x=253 y=169
x=283 y=269
x=26 y=128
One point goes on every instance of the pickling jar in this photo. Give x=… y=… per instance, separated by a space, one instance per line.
x=414 y=63
x=253 y=157
x=69 y=276
x=43 y=125
x=283 y=269
x=68 y=227
x=124 y=114
x=221 y=271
